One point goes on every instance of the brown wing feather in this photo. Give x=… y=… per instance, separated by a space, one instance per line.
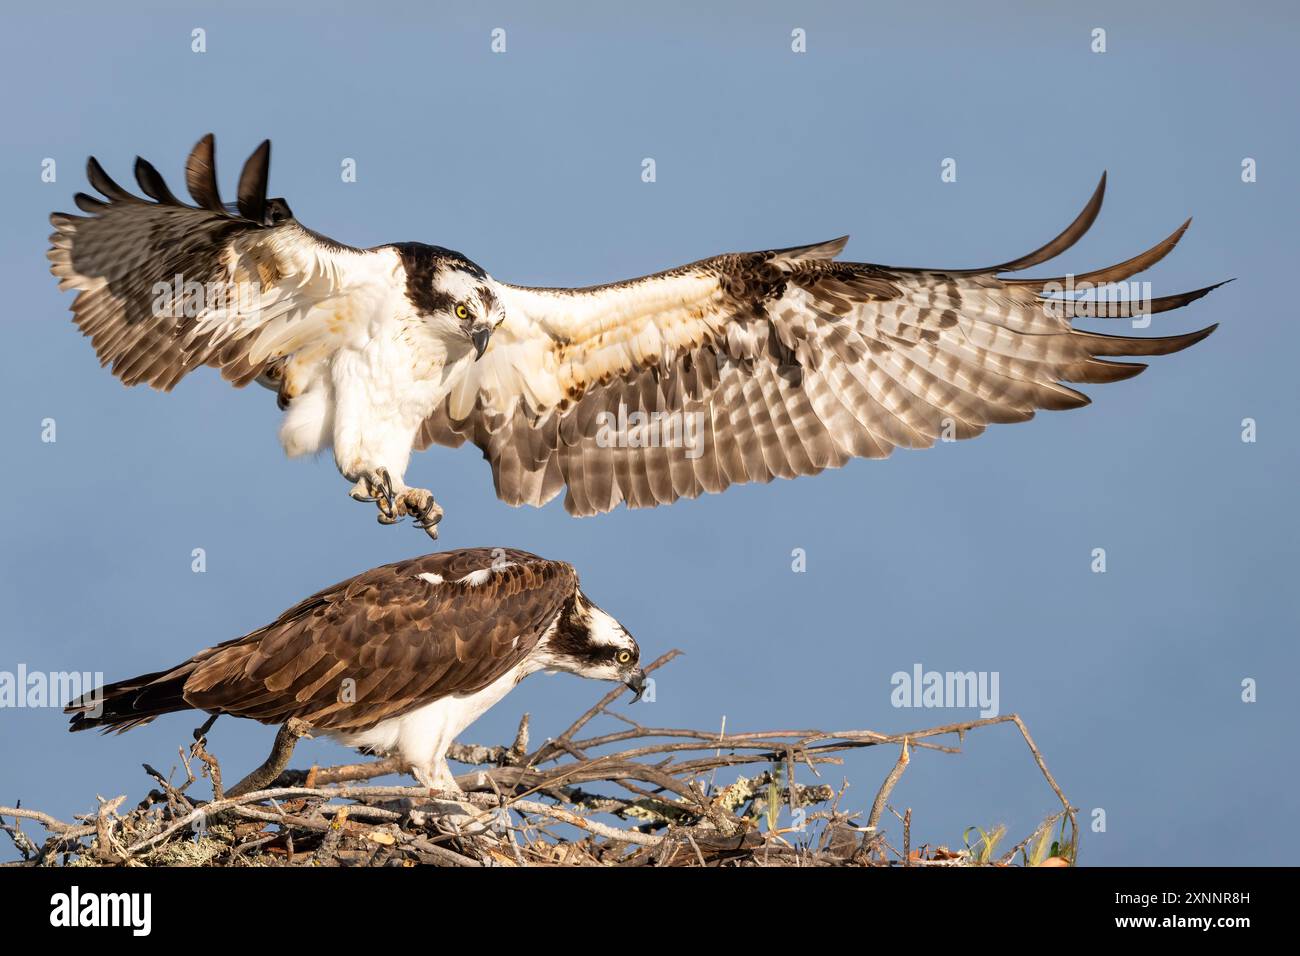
x=401 y=640
x=787 y=361
x=240 y=271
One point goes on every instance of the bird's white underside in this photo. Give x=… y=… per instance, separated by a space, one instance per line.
x=364 y=371
x=421 y=737
x=369 y=374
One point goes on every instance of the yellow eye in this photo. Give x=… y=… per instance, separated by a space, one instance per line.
x=623 y=657
x=462 y=312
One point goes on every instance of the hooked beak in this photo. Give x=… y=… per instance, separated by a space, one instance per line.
x=479 y=335
x=636 y=682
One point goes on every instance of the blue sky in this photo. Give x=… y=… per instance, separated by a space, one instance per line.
x=970 y=556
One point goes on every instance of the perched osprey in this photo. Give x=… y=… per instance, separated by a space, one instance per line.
x=737 y=368
x=397 y=660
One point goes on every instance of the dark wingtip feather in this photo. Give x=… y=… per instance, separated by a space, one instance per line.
x=1167 y=302
x=88 y=203
x=1096 y=371
x=104 y=183
x=1098 y=344
x=816 y=250
x=1121 y=270
x=152 y=183
x=1095 y=307
x=1072 y=234
x=1191 y=338
x=252 y=183
x=1068 y=237
x=1176 y=343
x=201 y=174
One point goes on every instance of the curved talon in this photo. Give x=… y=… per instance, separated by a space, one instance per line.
x=424 y=520
x=377 y=488
x=386 y=483
x=424 y=509
x=429 y=525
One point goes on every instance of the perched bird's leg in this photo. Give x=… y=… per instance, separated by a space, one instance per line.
x=439 y=781
x=445 y=799
x=274 y=765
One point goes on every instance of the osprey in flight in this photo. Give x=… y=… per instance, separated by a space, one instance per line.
x=741 y=367
x=397 y=660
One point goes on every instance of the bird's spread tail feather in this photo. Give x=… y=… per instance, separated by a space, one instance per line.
x=130 y=703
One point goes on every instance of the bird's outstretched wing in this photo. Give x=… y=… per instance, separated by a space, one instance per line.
x=164 y=287
x=750 y=366
x=404 y=634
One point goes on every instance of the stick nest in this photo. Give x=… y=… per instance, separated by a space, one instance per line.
x=634 y=796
